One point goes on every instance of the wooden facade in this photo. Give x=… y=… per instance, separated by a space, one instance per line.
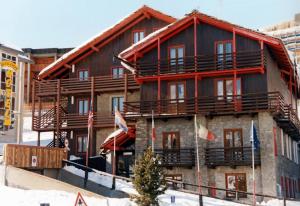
x=250 y=66
x=87 y=79
x=33 y=157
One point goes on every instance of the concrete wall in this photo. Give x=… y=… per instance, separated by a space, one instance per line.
x=23 y=179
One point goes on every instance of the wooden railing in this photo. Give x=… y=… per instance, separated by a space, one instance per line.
x=234 y=156
x=202 y=63
x=71 y=121
x=76 y=85
x=183 y=157
x=208 y=105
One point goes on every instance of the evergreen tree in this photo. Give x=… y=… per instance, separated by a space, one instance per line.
x=148 y=179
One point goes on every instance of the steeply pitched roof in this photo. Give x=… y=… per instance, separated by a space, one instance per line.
x=93 y=43
x=275 y=44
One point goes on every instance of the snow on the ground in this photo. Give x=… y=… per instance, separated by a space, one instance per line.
x=18 y=197
x=181 y=198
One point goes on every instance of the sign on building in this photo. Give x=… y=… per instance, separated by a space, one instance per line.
x=10 y=69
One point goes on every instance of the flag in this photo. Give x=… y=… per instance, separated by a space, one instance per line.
x=204 y=133
x=153 y=128
x=119 y=120
x=253 y=137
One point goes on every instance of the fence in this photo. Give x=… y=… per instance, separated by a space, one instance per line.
x=181 y=186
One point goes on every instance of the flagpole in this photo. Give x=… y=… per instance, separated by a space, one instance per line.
x=253 y=170
x=87 y=148
x=114 y=157
x=152 y=141
x=197 y=159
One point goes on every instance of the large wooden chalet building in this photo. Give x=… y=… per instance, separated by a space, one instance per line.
x=224 y=74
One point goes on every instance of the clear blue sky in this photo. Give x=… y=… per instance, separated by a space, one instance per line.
x=67 y=23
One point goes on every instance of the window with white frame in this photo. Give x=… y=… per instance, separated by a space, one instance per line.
x=9 y=57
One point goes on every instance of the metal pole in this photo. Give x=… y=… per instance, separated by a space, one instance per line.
x=152 y=141
x=253 y=170
x=198 y=163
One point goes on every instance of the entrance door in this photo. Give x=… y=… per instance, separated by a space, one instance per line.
x=125 y=163
x=233 y=143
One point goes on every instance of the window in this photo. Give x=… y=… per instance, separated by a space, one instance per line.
x=81 y=143
x=177 y=91
x=138 y=35
x=176 y=54
x=117 y=103
x=171 y=140
x=233 y=144
x=8 y=57
x=236 y=181
x=225 y=88
x=83 y=74
x=224 y=54
x=83 y=106
x=117 y=72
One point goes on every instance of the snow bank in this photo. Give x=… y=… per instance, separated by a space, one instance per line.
x=17 y=197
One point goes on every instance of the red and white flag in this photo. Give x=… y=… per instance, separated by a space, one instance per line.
x=204 y=133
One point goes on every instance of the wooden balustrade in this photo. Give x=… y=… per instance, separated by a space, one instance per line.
x=232 y=156
x=47 y=121
x=76 y=85
x=208 y=105
x=201 y=63
x=182 y=157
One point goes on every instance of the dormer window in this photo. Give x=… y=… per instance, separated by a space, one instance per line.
x=138 y=35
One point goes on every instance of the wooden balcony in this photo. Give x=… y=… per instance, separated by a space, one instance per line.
x=208 y=105
x=202 y=63
x=272 y=102
x=183 y=157
x=235 y=156
x=69 y=121
x=74 y=86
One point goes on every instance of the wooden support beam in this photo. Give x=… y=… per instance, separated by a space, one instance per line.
x=94 y=48
x=195 y=43
x=196 y=94
x=125 y=87
x=158 y=56
x=68 y=66
x=33 y=103
x=57 y=112
x=40 y=110
x=91 y=148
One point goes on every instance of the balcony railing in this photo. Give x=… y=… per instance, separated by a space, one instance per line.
x=48 y=121
x=202 y=63
x=76 y=85
x=234 y=156
x=209 y=105
x=183 y=157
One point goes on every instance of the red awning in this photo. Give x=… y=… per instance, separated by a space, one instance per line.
x=121 y=138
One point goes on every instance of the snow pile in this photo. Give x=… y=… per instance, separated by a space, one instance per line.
x=126 y=187
x=17 y=197
x=92 y=176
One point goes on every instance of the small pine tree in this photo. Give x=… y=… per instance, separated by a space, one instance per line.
x=148 y=179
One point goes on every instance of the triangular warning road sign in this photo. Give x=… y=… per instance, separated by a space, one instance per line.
x=80 y=201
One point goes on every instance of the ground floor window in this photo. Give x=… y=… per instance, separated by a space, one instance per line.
x=81 y=143
x=236 y=181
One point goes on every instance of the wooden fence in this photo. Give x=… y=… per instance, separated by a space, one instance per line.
x=33 y=157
